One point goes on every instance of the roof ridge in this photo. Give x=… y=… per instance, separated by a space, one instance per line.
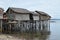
x=22 y=10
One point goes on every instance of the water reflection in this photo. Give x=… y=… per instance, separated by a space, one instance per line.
x=34 y=36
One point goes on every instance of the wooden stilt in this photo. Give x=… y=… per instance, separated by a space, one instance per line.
x=10 y=28
x=19 y=23
x=1 y=25
x=49 y=25
x=35 y=26
x=41 y=25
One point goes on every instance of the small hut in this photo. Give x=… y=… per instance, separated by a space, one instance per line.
x=22 y=16
x=44 y=19
x=1 y=18
x=20 y=19
x=36 y=21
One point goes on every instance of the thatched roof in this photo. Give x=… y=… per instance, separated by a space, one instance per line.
x=43 y=13
x=19 y=10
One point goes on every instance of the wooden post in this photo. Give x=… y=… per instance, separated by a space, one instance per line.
x=35 y=26
x=18 y=23
x=10 y=28
x=49 y=25
x=32 y=27
x=26 y=25
x=1 y=25
x=29 y=26
x=41 y=25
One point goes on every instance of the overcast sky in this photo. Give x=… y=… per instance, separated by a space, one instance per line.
x=51 y=7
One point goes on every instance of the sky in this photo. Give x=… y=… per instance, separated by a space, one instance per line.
x=51 y=7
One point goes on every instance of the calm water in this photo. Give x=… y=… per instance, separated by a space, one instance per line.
x=55 y=30
x=55 y=33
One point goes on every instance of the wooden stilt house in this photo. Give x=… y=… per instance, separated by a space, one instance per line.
x=21 y=16
x=44 y=19
x=23 y=20
x=1 y=18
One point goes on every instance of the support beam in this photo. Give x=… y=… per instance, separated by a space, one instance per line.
x=1 y=25
x=46 y=25
x=49 y=25
x=41 y=25
x=35 y=26
x=10 y=28
x=19 y=23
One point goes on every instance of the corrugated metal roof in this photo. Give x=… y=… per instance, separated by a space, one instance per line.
x=20 y=10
